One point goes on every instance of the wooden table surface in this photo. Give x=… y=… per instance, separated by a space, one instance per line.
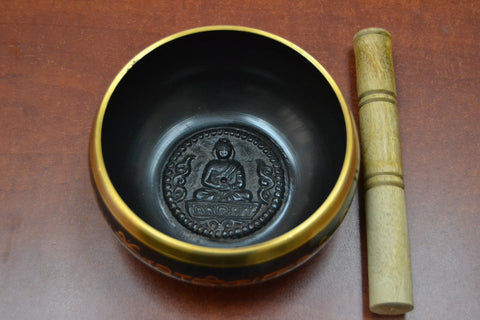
x=60 y=260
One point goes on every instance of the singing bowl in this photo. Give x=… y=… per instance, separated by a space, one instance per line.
x=224 y=156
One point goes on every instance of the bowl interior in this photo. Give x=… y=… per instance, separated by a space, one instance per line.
x=223 y=138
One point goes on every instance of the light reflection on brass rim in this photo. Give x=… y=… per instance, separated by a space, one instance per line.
x=225 y=257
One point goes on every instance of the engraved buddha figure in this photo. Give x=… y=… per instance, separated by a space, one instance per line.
x=223 y=179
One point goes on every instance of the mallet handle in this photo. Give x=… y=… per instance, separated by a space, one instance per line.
x=389 y=270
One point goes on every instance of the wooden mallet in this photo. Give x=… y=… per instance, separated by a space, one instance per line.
x=389 y=270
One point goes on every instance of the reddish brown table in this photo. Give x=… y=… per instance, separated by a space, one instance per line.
x=58 y=257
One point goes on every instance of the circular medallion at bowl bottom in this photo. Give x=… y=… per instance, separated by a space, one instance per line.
x=224 y=182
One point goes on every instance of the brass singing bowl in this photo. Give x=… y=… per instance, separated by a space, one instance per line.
x=224 y=156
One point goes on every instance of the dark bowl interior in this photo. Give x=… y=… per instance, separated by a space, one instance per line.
x=224 y=81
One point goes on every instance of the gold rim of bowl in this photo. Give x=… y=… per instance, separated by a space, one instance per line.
x=224 y=257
